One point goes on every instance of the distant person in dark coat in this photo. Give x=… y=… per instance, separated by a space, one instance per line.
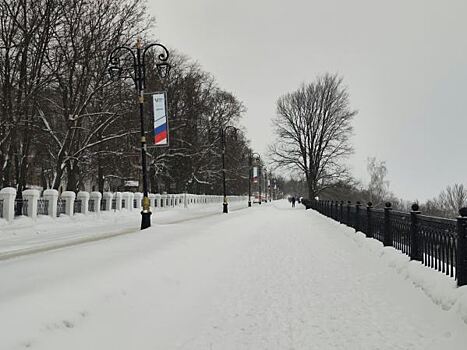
x=293 y=202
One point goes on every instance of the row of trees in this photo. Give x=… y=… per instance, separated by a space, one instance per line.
x=65 y=123
x=377 y=191
x=313 y=129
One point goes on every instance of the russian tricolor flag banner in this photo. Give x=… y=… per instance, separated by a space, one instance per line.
x=161 y=125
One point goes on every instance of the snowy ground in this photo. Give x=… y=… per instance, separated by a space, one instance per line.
x=25 y=235
x=268 y=277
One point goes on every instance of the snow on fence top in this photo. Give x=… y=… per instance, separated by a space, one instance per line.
x=55 y=205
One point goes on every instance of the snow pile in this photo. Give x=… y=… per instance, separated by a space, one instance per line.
x=440 y=288
x=25 y=235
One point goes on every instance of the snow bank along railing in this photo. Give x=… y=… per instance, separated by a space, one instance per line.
x=69 y=203
x=438 y=243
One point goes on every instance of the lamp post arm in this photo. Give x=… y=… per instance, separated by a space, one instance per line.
x=122 y=48
x=164 y=56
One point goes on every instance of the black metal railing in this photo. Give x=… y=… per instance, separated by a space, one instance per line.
x=60 y=206
x=103 y=204
x=400 y=223
x=377 y=224
x=438 y=237
x=92 y=205
x=42 y=206
x=21 y=207
x=1 y=208
x=438 y=243
x=77 y=206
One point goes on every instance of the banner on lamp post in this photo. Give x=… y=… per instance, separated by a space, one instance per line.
x=161 y=122
x=255 y=174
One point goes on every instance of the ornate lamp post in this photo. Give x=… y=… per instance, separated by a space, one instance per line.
x=138 y=75
x=225 y=206
x=250 y=169
x=260 y=176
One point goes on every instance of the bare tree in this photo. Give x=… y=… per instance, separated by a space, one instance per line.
x=81 y=111
x=313 y=127
x=447 y=203
x=64 y=122
x=25 y=33
x=452 y=199
x=378 y=187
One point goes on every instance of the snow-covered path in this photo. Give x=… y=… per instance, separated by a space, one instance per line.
x=262 y=278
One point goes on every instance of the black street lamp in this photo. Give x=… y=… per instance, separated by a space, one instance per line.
x=270 y=188
x=250 y=169
x=225 y=206
x=260 y=176
x=138 y=54
x=274 y=196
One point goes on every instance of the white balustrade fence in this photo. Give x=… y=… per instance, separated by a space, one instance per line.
x=69 y=203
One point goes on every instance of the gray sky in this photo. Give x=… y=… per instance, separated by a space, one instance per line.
x=403 y=61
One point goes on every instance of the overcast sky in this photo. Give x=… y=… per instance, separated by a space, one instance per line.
x=404 y=63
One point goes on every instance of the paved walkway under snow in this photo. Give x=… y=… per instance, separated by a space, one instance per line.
x=260 y=278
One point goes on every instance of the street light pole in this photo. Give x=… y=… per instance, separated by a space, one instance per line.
x=138 y=77
x=225 y=205
x=270 y=189
x=249 y=180
x=250 y=169
x=260 y=178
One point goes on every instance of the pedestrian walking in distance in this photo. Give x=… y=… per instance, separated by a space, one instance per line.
x=293 y=202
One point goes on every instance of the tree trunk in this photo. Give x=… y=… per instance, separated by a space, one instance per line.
x=100 y=175
x=73 y=176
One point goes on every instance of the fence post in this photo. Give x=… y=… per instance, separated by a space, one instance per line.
x=126 y=200
x=51 y=196
x=369 y=223
x=152 y=200
x=331 y=209
x=118 y=196
x=461 y=254
x=387 y=238
x=31 y=196
x=8 y=195
x=69 y=197
x=131 y=205
x=139 y=200
x=414 y=246
x=357 y=216
x=84 y=198
x=157 y=200
x=96 y=198
x=108 y=196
